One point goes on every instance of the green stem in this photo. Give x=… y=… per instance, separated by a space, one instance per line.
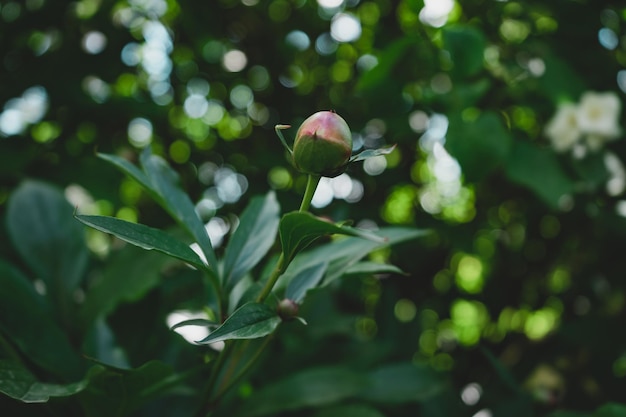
x=279 y=269
x=215 y=372
x=244 y=369
x=277 y=272
x=311 y=186
x=281 y=265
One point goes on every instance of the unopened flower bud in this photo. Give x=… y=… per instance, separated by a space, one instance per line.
x=287 y=309
x=323 y=145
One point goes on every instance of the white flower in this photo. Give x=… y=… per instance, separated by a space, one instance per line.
x=563 y=129
x=586 y=126
x=598 y=115
x=617 y=174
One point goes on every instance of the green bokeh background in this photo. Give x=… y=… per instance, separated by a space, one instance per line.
x=525 y=263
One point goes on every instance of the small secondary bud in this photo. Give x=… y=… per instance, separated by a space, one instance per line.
x=287 y=309
x=323 y=145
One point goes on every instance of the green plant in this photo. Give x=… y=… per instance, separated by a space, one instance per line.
x=240 y=307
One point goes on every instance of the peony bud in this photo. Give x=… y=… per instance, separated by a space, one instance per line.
x=287 y=309
x=323 y=145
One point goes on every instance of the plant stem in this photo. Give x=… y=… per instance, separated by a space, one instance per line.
x=244 y=369
x=277 y=272
x=311 y=186
x=215 y=372
x=281 y=265
x=279 y=269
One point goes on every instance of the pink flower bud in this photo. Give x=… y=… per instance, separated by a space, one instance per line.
x=323 y=145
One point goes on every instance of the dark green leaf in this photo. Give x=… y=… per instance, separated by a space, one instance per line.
x=560 y=82
x=592 y=169
x=569 y=414
x=27 y=321
x=40 y=224
x=373 y=268
x=539 y=170
x=402 y=383
x=18 y=383
x=466 y=46
x=317 y=387
x=145 y=237
x=341 y=254
x=611 y=410
x=254 y=236
x=100 y=344
x=176 y=202
x=466 y=94
x=128 y=275
x=380 y=75
x=132 y=171
x=117 y=392
x=299 y=229
x=480 y=145
x=351 y=410
x=306 y=279
x=503 y=373
x=370 y=153
x=250 y=321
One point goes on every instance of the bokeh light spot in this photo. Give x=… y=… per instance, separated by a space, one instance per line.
x=94 y=42
x=140 y=132
x=234 y=60
x=469 y=274
x=180 y=151
x=330 y=4
x=298 y=39
x=241 y=96
x=405 y=310
x=345 y=27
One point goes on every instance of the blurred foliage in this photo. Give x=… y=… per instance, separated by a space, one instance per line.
x=511 y=307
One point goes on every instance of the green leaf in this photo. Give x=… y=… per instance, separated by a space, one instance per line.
x=278 y=129
x=250 y=321
x=144 y=237
x=611 y=410
x=100 y=344
x=176 y=202
x=18 y=383
x=503 y=373
x=466 y=46
x=370 y=268
x=319 y=387
x=562 y=413
x=307 y=279
x=381 y=74
x=127 y=276
x=40 y=224
x=370 y=153
x=341 y=254
x=350 y=410
x=26 y=320
x=480 y=145
x=299 y=229
x=402 y=383
x=539 y=170
x=592 y=169
x=117 y=392
x=254 y=236
x=132 y=171
x=560 y=82
x=195 y=322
